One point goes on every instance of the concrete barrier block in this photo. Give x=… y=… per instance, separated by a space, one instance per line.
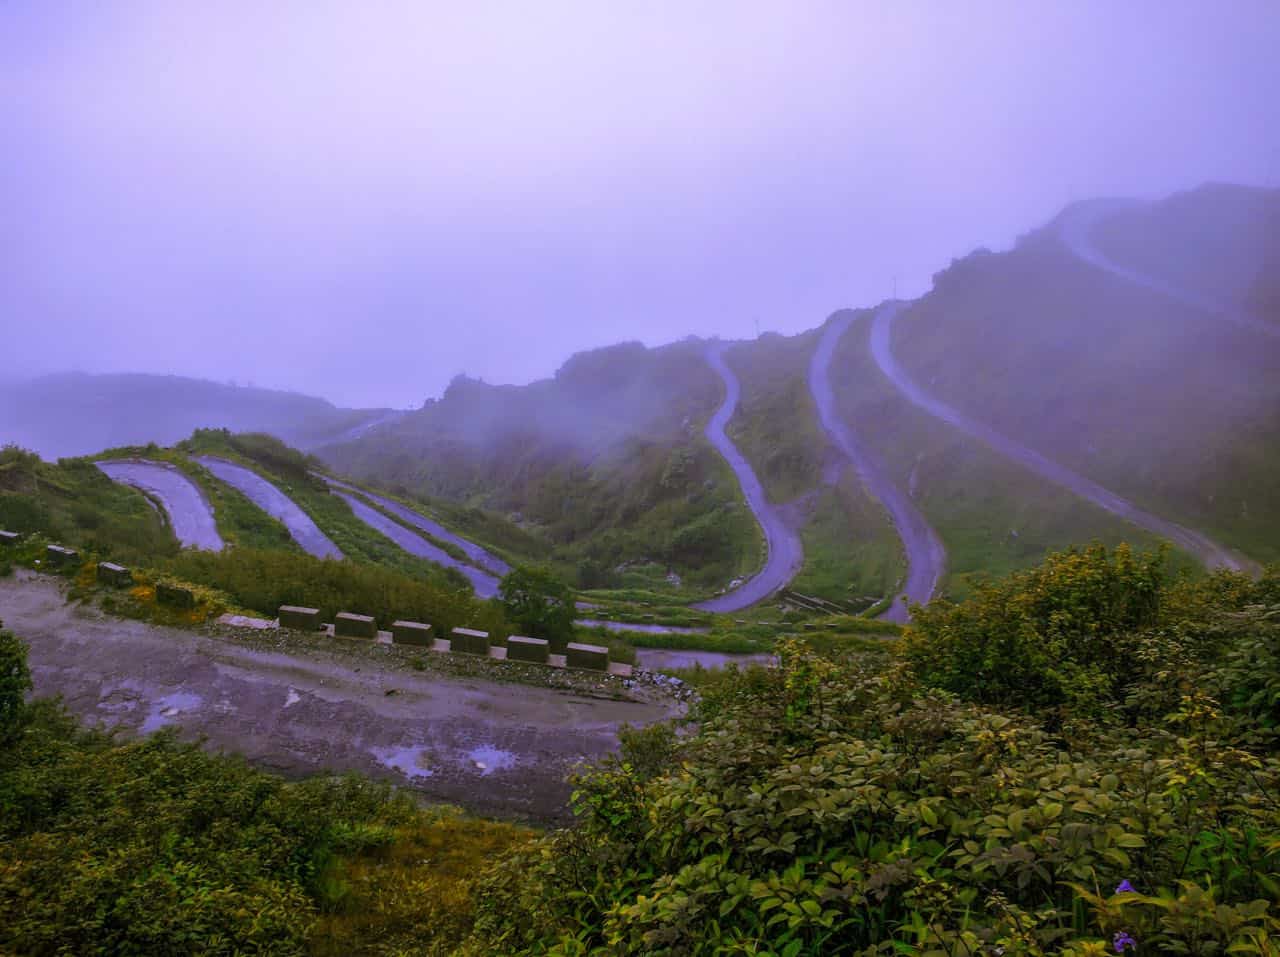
x=109 y=573
x=469 y=642
x=58 y=556
x=594 y=657
x=411 y=633
x=348 y=625
x=536 y=650
x=175 y=595
x=299 y=618
x=8 y=538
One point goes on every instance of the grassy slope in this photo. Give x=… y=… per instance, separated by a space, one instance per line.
x=74 y=503
x=606 y=463
x=288 y=470
x=851 y=549
x=993 y=516
x=1175 y=411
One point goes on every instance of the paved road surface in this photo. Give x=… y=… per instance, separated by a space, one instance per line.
x=190 y=514
x=1205 y=549
x=479 y=556
x=312 y=706
x=925 y=554
x=275 y=503
x=485 y=585
x=1076 y=230
x=785 y=554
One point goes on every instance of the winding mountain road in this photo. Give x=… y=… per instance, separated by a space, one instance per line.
x=190 y=514
x=275 y=503
x=1205 y=549
x=925 y=554
x=485 y=584
x=1075 y=232
x=784 y=552
x=479 y=556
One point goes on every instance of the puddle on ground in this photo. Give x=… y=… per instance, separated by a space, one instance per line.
x=408 y=761
x=659 y=659
x=164 y=710
x=486 y=759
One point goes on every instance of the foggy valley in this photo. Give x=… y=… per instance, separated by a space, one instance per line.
x=640 y=480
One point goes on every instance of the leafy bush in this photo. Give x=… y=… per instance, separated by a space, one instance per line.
x=833 y=806
x=1059 y=633
x=154 y=847
x=538 y=603
x=15 y=680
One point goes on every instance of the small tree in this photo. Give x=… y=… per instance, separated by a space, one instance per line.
x=538 y=603
x=15 y=680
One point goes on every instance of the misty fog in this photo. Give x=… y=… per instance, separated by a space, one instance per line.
x=360 y=201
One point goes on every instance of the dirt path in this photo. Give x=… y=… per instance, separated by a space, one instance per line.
x=785 y=554
x=500 y=749
x=1075 y=232
x=926 y=556
x=479 y=556
x=275 y=503
x=1209 y=552
x=190 y=515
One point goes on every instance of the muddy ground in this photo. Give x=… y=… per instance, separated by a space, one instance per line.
x=305 y=706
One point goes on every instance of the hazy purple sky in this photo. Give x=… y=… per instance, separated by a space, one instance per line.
x=362 y=199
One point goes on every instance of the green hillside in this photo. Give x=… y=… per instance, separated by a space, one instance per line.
x=606 y=462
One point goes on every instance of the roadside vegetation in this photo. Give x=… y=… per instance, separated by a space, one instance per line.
x=993 y=516
x=605 y=463
x=290 y=471
x=1169 y=406
x=73 y=503
x=1081 y=759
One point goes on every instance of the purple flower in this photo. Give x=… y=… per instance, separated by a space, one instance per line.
x=1122 y=941
x=1124 y=887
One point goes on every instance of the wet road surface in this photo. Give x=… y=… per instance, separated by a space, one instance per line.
x=484 y=584
x=478 y=556
x=495 y=748
x=190 y=514
x=925 y=554
x=785 y=554
x=275 y=503
x=1076 y=229
x=1209 y=552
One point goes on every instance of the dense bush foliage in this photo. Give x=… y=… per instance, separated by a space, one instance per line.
x=263 y=580
x=538 y=604
x=15 y=681
x=836 y=806
x=153 y=847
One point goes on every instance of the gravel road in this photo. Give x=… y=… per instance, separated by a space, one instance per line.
x=1205 y=549
x=785 y=554
x=926 y=556
x=275 y=503
x=190 y=514
x=485 y=585
x=500 y=749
